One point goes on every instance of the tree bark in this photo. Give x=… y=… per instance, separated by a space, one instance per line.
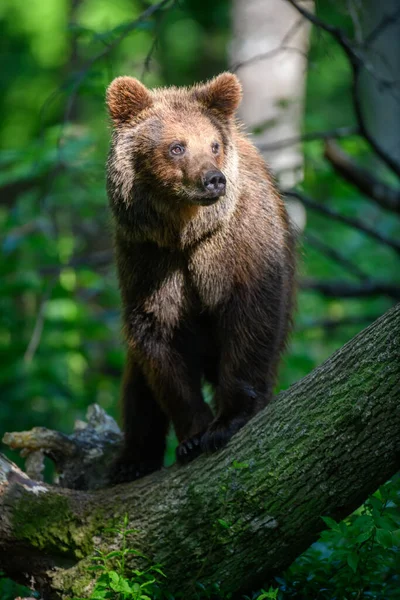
x=379 y=35
x=238 y=516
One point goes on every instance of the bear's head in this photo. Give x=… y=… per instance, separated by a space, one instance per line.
x=175 y=142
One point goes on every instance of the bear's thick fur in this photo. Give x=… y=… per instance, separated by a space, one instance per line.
x=205 y=258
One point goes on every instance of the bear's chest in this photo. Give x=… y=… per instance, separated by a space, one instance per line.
x=211 y=274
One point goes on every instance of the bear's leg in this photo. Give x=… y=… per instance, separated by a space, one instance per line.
x=182 y=397
x=251 y=330
x=145 y=428
x=170 y=360
x=188 y=412
x=174 y=372
x=235 y=409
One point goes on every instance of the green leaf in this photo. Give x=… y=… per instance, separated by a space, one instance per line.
x=112 y=530
x=223 y=524
x=136 y=553
x=130 y=531
x=150 y=582
x=364 y=522
x=240 y=465
x=331 y=523
x=352 y=560
x=113 y=579
x=396 y=537
x=364 y=536
x=386 y=522
x=375 y=503
x=124 y=586
x=270 y=595
x=113 y=554
x=384 y=538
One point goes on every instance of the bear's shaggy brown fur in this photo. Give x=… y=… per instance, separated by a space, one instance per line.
x=205 y=258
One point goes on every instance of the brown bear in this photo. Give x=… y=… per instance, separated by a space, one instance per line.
x=205 y=258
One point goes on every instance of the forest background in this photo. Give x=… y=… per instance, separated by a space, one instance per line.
x=60 y=331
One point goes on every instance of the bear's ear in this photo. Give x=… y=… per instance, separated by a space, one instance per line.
x=222 y=94
x=126 y=97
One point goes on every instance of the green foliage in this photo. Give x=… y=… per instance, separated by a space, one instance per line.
x=271 y=594
x=116 y=581
x=10 y=590
x=140 y=585
x=111 y=568
x=357 y=558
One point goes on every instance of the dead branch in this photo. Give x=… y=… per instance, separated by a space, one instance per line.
x=82 y=459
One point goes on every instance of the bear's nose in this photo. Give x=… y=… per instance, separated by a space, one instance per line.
x=215 y=182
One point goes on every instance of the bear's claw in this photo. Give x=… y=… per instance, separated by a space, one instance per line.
x=189 y=449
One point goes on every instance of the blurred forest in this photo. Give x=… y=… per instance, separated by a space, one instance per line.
x=60 y=328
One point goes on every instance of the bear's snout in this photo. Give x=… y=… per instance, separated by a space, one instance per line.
x=214 y=182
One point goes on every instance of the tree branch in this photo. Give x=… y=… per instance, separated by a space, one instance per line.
x=382 y=26
x=357 y=63
x=307 y=454
x=275 y=51
x=363 y=180
x=81 y=74
x=337 y=216
x=336 y=256
x=345 y=289
x=332 y=324
x=339 y=132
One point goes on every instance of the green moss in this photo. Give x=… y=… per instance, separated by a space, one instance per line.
x=46 y=521
x=76 y=582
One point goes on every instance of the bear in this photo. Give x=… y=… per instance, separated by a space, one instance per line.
x=205 y=257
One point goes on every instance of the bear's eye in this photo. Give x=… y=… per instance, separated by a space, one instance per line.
x=177 y=149
x=215 y=148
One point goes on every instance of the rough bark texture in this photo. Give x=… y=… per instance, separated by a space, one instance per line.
x=319 y=448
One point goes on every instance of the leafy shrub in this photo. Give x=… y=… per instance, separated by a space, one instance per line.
x=357 y=558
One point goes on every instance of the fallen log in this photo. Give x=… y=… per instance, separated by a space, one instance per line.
x=241 y=515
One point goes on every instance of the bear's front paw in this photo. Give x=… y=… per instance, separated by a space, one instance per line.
x=220 y=432
x=124 y=470
x=189 y=449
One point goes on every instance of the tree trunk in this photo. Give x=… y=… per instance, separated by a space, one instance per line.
x=269 y=52
x=379 y=30
x=320 y=448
